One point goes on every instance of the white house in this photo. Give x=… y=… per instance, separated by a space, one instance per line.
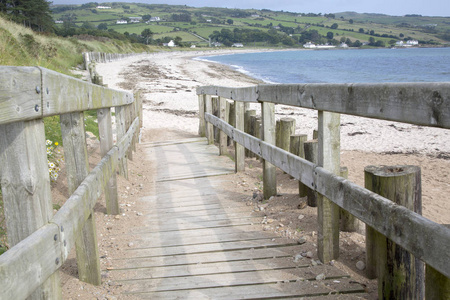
x=59 y=22
x=155 y=19
x=399 y=43
x=237 y=45
x=343 y=45
x=412 y=42
x=169 y=44
x=121 y=22
x=309 y=45
x=103 y=7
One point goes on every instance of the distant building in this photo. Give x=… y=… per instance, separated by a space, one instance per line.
x=121 y=22
x=193 y=46
x=135 y=19
x=309 y=45
x=103 y=7
x=408 y=43
x=343 y=45
x=255 y=16
x=169 y=44
x=216 y=44
x=155 y=19
x=412 y=42
x=59 y=22
x=237 y=45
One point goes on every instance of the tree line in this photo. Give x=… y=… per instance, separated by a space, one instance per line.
x=35 y=14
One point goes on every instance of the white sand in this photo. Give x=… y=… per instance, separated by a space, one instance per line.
x=173 y=87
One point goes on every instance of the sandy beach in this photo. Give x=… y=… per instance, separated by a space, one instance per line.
x=167 y=83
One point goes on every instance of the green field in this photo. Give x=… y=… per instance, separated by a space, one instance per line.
x=413 y=27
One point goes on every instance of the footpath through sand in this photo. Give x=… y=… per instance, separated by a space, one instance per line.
x=167 y=83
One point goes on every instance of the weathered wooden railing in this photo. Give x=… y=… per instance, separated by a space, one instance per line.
x=426 y=104
x=101 y=57
x=40 y=240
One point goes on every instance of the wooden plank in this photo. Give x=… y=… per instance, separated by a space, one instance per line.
x=210 y=247
x=206 y=224
x=209 y=131
x=77 y=166
x=425 y=239
x=169 y=143
x=279 y=290
x=328 y=157
x=210 y=268
x=269 y=170
x=106 y=143
x=64 y=94
x=246 y=94
x=239 y=149
x=25 y=184
x=231 y=279
x=120 y=132
x=204 y=258
x=201 y=115
x=20 y=94
x=223 y=144
x=203 y=238
x=415 y=103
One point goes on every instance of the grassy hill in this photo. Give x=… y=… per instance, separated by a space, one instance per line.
x=20 y=46
x=204 y=21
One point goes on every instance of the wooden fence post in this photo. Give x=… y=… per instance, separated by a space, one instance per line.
x=287 y=128
x=437 y=285
x=328 y=212
x=209 y=126
x=400 y=274
x=348 y=223
x=231 y=112
x=247 y=126
x=311 y=148
x=77 y=166
x=120 y=132
x=106 y=143
x=201 y=115
x=252 y=131
x=268 y=135
x=26 y=191
x=296 y=147
x=128 y=121
x=239 y=149
x=215 y=112
x=223 y=142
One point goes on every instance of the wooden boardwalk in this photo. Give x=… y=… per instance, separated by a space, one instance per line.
x=198 y=242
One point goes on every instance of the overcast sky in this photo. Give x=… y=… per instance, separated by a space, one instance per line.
x=390 y=7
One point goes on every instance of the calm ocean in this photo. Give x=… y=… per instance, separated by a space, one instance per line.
x=343 y=66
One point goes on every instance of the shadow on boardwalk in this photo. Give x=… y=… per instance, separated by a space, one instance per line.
x=198 y=239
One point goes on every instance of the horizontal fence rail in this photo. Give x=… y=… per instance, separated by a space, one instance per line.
x=426 y=104
x=418 y=237
x=41 y=241
x=29 y=93
x=43 y=252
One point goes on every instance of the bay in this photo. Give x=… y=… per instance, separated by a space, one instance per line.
x=343 y=66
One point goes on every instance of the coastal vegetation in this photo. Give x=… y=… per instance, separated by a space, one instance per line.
x=258 y=28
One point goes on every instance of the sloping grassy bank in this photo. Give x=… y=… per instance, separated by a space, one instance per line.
x=20 y=46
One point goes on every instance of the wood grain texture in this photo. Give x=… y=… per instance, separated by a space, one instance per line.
x=26 y=191
x=77 y=169
x=426 y=104
x=425 y=239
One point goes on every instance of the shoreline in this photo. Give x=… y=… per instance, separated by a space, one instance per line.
x=167 y=83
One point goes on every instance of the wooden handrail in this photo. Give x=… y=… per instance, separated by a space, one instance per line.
x=29 y=263
x=418 y=237
x=426 y=104
x=29 y=93
x=42 y=244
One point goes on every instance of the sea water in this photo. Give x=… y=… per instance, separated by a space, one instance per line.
x=343 y=66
